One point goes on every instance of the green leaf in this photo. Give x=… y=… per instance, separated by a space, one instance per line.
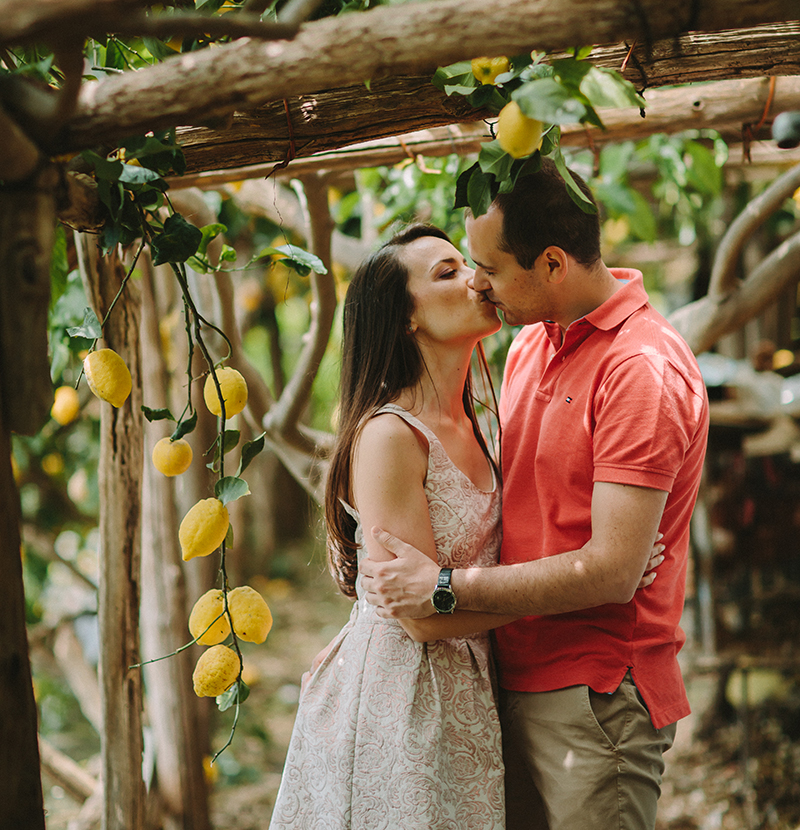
x=229 y=440
x=157 y=414
x=238 y=693
x=177 y=243
x=210 y=232
x=571 y=71
x=549 y=101
x=479 y=192
x=228 y=254
x=90 y=328
x=108 y=169
x=230 y=488
x=229 y=537
x=702 y=171
x=576 y=194
x=158 y=49
x=462 y=183
x=521 y=167
x=493 y=159
x=455 y=74
x=607 y=88
x=302 y=261
x=249 y=451
x=185 y=426
x=134 y=174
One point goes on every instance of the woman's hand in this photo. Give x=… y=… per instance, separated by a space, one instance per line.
x=656 y=558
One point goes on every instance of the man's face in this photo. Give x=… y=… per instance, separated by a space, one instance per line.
x=521 y=294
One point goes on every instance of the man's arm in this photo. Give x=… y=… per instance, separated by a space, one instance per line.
x=607 y=569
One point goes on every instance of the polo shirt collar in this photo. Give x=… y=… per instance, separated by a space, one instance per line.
x=615 y=310
x=620 y=305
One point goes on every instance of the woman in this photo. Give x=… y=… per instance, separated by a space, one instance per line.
x=396 y=726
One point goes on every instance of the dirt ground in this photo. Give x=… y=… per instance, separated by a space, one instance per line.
x=711 y=782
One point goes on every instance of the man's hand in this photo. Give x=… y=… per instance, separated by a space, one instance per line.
x=403 y=586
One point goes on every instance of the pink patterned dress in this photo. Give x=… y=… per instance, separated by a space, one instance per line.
x=397 y=735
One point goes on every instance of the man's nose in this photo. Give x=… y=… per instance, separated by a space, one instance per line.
x=478 y=282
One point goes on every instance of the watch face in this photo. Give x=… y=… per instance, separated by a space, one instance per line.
x=444 y=600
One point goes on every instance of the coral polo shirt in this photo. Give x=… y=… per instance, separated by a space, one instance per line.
x=620 y=400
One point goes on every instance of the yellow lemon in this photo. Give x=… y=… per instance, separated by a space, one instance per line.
x=203 y=528
x=108 y=376
x=216 y=671
x=252 y=619
x=53 y=464
x=210 y=771
x=172 y=457
x=487 y=69
x=208 y=622
x=518 y=135
x=234 y=392
x=66 y=405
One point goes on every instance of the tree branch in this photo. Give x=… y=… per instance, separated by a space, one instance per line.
x=756 y=212
x=283 y=417
x=704 y=321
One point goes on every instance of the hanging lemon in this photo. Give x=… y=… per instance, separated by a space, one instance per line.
x=487 y=69
x=208 y=623
x=216 y=671
x=252 y=619
x=66 y=405
x=172 y=457
x=517 y=134
x=108 y=376
x=234 y=392
x=203 y=528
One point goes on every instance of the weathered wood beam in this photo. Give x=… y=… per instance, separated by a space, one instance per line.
x=724 y=106
x=387 y=41
x=340 y=117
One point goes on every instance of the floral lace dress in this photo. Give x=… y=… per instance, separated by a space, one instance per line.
x=397 y=735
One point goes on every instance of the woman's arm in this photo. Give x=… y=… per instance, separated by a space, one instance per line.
x=390 y=463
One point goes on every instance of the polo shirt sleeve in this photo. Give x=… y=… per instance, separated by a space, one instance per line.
x=646 y=415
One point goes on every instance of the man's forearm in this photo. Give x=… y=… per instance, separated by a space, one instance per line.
x=554 y=585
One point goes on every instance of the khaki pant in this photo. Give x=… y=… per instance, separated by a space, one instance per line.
x=579 y=760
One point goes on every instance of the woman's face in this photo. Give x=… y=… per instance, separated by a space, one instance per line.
x=446 y=309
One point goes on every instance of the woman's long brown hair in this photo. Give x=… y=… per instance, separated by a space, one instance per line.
x=379 y=360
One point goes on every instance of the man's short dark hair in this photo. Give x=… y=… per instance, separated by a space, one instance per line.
x=539 y=212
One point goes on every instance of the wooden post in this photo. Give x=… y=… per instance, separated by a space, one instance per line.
x=27 y=221
x=120 y=561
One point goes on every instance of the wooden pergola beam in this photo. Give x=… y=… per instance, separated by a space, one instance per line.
x=724 y=106
x=388 y=41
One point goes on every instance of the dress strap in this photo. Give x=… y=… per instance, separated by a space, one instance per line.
x=415 y=422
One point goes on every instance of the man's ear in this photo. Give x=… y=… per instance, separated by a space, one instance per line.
x=556 y=262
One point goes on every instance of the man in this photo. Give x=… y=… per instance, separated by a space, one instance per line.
x=605 y=420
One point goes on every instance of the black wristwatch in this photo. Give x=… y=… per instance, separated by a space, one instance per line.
x=443 y=598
